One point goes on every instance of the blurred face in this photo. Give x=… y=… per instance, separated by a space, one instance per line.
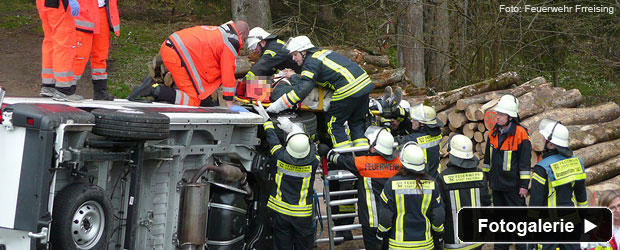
x=614 y=206
x=297 y=57
x=395 y=124
x=502 y=119
x=258 y=50
x=415 y=124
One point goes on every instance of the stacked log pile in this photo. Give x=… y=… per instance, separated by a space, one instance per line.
x=594 y=131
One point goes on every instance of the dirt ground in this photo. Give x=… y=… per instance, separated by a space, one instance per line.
x=20 y=65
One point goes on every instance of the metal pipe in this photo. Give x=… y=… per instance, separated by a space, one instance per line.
x=228 y=173
x=194 y=215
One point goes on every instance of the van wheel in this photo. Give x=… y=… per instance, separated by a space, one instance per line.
x=81 y=218
x=131 y=124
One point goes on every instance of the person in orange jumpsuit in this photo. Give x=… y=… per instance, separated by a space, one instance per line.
x=93 y=40
x=200 y=59
x=58 y=48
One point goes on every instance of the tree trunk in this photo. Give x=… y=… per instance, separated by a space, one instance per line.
x=457 y=119
x=443 y=115
x=379 y=61
x=603 y=171
x=576 y=116
x=598 y=152
x=410 y=42
x=478 y=137
x=481 y=127
x=468 y=130
x=439 y=67
x=599 y=188
x=255 y=12
x=518 y=91
x=542 y=99
x=387 y=77
x=473 y=113
x=594 y=133
x=243 y=66
x=443 y=100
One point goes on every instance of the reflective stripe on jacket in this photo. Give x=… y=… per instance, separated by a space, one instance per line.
x=410 y=212
x=559 y=181
x=210 y=54
x=292 y=193
x=507 y=158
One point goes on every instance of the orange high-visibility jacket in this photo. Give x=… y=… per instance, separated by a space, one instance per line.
x=210 y=53
x=88 y=20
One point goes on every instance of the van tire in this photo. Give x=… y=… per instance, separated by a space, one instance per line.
x=78 y=210
x=131 y=124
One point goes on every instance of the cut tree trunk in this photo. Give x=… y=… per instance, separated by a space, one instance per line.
x=576 y=116
x=481 y=127
x=387 y=77
x=598 y=152
x=443 y=115
x=457 y=119
x=594 y=133
x=603 y=171
x=473 y=113
x=443 y=100
x=478 y=136
x=542 y=99
x=520 y=90
x=468 y=130
x=243 y=66
x=379 y=61
x=604 y=186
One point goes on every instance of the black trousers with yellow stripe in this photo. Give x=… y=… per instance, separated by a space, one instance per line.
x=353 y=111
x=508 y=199
x=291 y=231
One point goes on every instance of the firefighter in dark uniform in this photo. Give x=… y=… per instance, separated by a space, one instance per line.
x=273 y=55
x=507 y=159
x=372 y=170
x=462 y=184
x=559 y=178
x=292 y=195
x=426 y=132
x=350 y=83
x=411 y=208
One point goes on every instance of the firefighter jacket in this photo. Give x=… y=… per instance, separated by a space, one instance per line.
x=329 y=70
x=559 y=181
x=88 y=20
x=409 y=212
x=507 y=158
x=210 y=54
x=372 y=171
x=461 y=187
x=292 y=193
x=275 y=57
x=428 y=139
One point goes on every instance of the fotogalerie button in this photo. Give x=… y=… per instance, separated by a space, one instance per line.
x=534 y=224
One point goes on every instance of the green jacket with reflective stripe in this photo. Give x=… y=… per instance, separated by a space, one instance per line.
x=333 y=71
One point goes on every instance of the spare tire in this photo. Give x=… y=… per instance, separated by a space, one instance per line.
x=306 y=119
x=82 y=218
x=131 y=124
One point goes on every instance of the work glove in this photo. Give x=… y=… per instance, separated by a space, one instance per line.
x=75 y=7
x=332 y=156
x=277 y=106
x=237 y=108
x=285 y=124
x=381 y=235
x=261 y=111
x=323 y=150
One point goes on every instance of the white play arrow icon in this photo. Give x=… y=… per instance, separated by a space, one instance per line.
x=587 y=226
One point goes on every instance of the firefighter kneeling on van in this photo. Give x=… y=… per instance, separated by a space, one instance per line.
x=372 y=170
x=292 y=195
x=462 y=184
x=411 y=208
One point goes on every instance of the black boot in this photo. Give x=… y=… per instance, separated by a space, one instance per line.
x=100 y=92
x=147 y=88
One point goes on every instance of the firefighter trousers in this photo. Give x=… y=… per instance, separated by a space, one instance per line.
x=291 y=231
x=353 y=111
x=371 y=242
x=58 y=48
